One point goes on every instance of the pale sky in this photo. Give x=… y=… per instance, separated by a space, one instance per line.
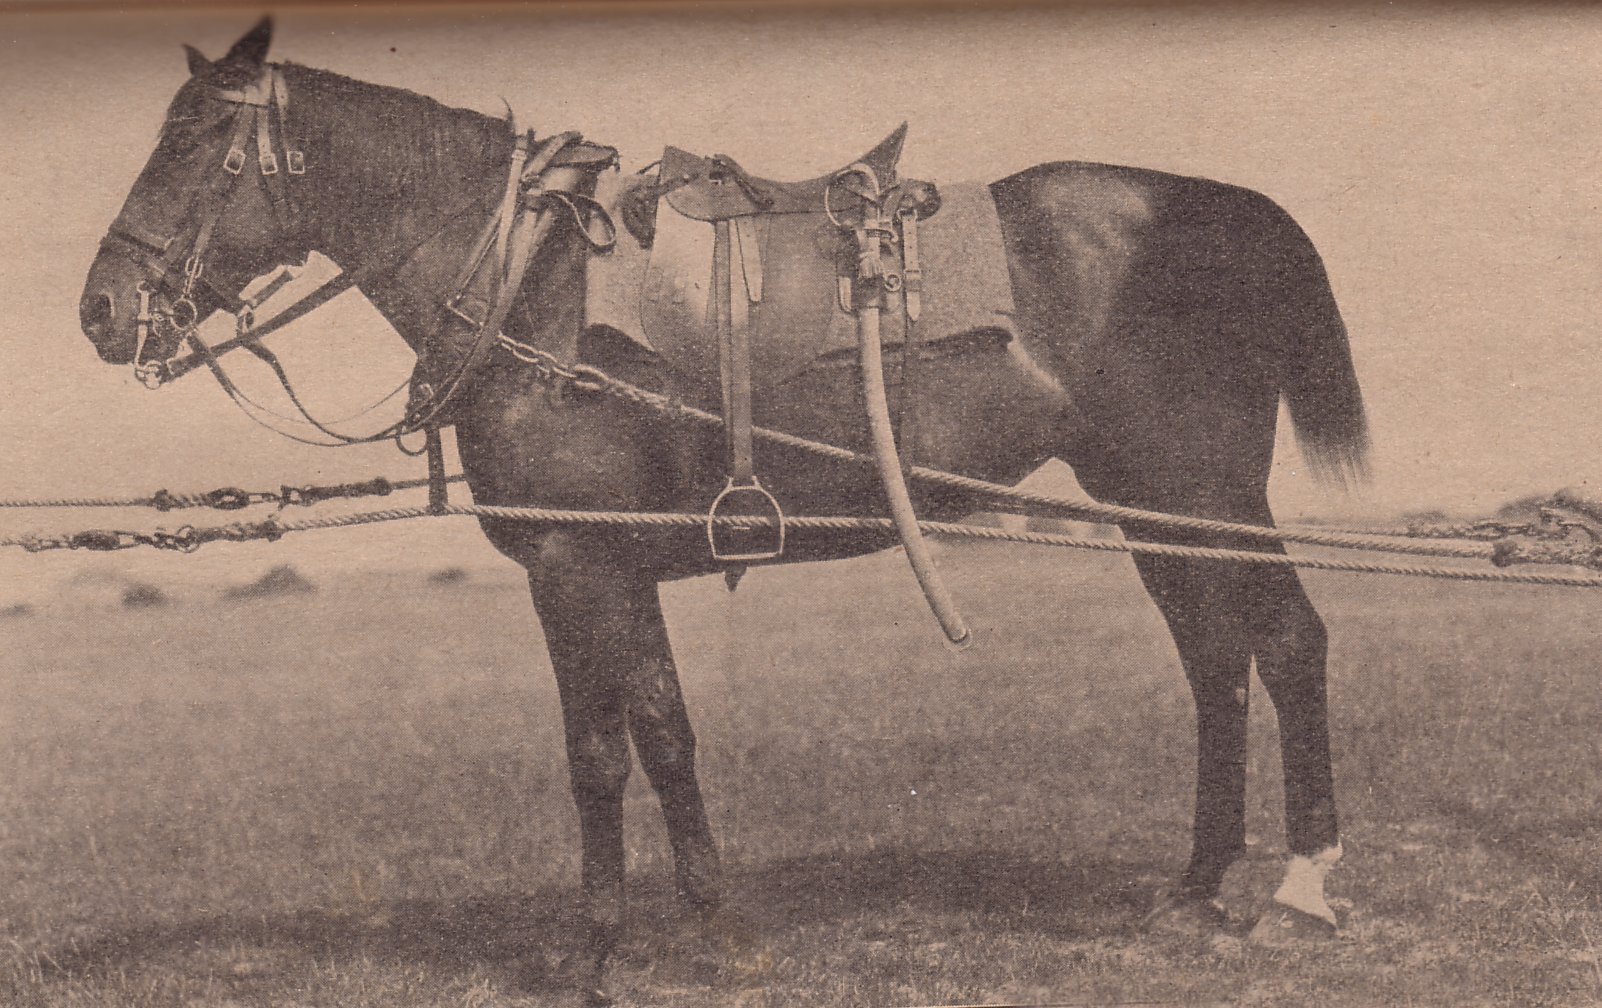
x=1445 y=163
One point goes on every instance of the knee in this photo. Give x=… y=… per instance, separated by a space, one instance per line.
x=600 y=770
x=666 y=749
x=1296 y=641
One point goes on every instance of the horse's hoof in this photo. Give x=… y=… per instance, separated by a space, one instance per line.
x=576 y=979
x=1196 y=916
x=1282 y=925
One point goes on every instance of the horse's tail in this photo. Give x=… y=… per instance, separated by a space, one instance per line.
x=1318 y=380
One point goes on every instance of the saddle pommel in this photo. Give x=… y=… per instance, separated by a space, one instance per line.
x=717 y=188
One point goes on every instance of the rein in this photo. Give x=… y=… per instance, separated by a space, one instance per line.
x=542 y=184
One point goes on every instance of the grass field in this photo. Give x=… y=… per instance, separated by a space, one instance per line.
x=358 y=797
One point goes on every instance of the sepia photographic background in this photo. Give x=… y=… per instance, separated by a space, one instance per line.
x=347 y=785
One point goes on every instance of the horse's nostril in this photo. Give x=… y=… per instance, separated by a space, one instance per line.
x=96 y=314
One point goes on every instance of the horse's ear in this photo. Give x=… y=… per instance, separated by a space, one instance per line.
x=250 y=52
x=198 y=63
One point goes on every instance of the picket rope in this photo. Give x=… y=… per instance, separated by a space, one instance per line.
x=190 y=538
x=587 y=377
x=186 y=539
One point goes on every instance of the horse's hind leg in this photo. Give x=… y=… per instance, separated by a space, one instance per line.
x=1259 y=613
x=1201 y=605
x=1222 y=617
x=1291 y=646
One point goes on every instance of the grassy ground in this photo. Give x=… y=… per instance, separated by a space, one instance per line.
x=358 y=798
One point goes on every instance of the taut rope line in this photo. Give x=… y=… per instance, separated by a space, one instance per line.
x=190 y=538
x=233 y=498
x=585 y=377
x=548 y=369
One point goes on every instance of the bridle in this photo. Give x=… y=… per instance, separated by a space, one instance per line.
x=499 y=258
x=175 y=268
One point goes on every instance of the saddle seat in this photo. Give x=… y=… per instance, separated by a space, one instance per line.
x=718 y=189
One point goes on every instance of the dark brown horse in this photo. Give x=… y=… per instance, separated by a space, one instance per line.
x=1162 y=320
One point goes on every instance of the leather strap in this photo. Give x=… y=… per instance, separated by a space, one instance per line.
x=737 y=290
x=912 y=304
x=496 y=234
x=736 y=295
x=294 y=154
x=438 y=488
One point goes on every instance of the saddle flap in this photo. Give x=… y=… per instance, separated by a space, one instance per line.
x=782 y=272
x=716 y=188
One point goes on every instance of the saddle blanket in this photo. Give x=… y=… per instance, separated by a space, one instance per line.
x=966 y=287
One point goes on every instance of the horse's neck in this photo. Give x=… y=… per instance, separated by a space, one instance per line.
x=396 y=189
x=402 y=187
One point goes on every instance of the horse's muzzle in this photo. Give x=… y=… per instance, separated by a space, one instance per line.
x=97 y=314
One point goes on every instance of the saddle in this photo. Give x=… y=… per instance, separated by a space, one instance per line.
x=720 y=231
x=754 y=297
x=718 y=189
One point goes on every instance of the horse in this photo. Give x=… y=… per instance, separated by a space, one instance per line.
x=1161 y=320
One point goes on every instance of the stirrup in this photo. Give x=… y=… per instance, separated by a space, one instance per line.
x=733 y=543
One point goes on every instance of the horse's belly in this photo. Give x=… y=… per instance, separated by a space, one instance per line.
x=978 y=407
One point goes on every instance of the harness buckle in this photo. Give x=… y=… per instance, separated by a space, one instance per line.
x=234 y=163
x=733 y=541
x=295 y=162
x=268 y=163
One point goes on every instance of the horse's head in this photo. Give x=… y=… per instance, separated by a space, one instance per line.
x=209 y=212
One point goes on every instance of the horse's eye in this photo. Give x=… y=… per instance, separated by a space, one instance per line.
x=181 y=133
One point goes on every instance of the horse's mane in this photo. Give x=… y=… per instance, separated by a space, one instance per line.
x=393 y=158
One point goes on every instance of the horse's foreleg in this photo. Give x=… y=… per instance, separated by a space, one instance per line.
x=614 y=667
x=665 y=743
x=589 y=626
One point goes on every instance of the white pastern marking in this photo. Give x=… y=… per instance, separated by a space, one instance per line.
x=1303 y=888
